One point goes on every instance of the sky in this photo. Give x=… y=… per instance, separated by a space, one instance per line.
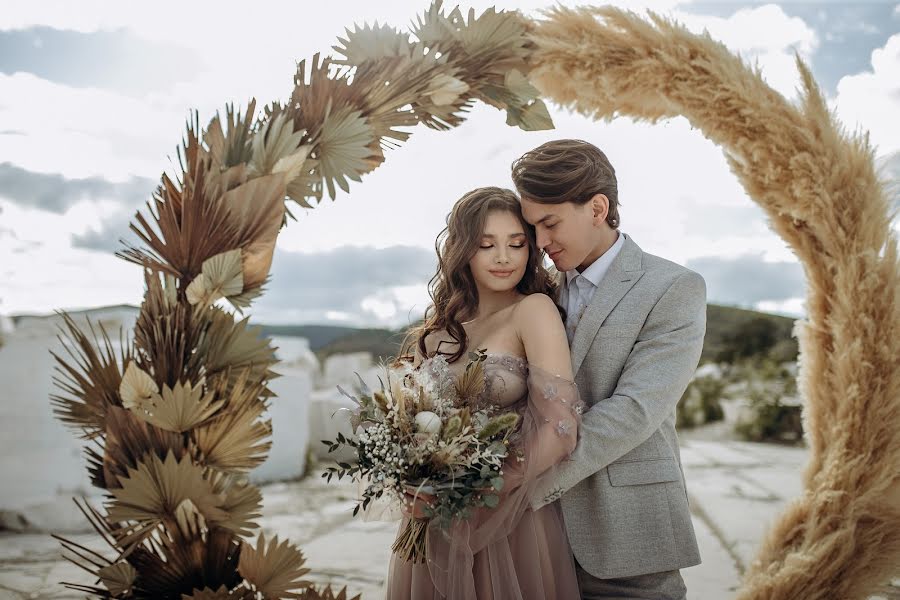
x=94 y=99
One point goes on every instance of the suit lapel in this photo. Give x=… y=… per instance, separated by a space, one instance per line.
x=623 y=273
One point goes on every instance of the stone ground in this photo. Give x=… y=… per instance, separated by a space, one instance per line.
x=736 y=490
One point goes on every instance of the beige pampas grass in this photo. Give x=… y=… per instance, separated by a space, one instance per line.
x=818 y=186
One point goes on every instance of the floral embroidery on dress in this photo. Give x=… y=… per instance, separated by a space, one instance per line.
x=508 y=362
x=564 y=427
x=551 y=392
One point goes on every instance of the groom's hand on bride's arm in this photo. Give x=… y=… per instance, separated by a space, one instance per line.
x=655 y=375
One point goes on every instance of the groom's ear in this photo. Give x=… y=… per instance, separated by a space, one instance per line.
x=600 y=208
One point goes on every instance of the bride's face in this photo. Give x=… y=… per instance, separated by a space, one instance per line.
x=500 y=260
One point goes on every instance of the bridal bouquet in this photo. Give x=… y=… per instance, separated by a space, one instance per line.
x=427 y=432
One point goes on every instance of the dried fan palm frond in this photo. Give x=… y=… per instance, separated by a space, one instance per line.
x=188 y=226
x=371 y=43
x=222 y=593
x=344 y=149
x=168 y=330
x=230 y=147
x=499 y=33
x=152 y=493
x=244 y=299
x=274 y=570
x=118 y=578
x=228 y=348
x=90 y=383
x=221 y=276
x=236 y=441
x=277 y=148
x=169 y=566
x=128 y=440
x=241 y=503
x=256 y=211
x=326 y=593
x=137 y=388
x=437 y=30
x=179 y=408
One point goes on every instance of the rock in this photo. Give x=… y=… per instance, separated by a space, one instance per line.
x=289 y=412
x=13 y=521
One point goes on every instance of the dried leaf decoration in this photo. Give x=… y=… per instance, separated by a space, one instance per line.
x=221 y=277
x=137 y=388
x=155 y=489
x=343 y=148
x=118 y=578
x=90 y=384
x=274 y=570
x=180 y=408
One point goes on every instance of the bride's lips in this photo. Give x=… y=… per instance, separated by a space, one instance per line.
x=501 y=273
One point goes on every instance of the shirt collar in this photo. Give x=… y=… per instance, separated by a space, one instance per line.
x=597 y=269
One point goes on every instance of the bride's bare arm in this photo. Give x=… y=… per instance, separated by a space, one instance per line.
x=554 y=406
x=543 y=335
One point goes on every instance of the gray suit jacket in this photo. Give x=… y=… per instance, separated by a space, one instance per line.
x=622 y=490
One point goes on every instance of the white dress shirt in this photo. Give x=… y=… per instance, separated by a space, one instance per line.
x=580 y=287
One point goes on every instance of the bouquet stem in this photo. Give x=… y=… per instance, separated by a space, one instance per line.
x=412 y=543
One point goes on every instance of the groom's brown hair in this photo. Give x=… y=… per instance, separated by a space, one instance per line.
x=567 y=171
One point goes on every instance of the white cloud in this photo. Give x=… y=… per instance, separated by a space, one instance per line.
x=871 y=99
x=41 y=271
x=794 y=307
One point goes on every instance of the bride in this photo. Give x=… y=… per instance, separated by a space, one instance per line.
x=491 y=292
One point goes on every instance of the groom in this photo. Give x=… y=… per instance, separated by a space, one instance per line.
x=635 y=324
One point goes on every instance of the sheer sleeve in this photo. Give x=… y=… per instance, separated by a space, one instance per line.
x=547 y=434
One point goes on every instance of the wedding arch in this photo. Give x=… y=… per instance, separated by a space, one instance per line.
x=177 y=420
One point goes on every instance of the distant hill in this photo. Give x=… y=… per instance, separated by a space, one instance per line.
x=728 y=330
x=318 y=335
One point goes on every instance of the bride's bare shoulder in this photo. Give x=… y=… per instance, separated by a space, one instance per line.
x=536 y=306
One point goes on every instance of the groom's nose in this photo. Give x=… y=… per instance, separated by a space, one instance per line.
x=543 y=238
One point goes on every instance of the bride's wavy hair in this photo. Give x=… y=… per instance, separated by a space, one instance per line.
x=454 y=295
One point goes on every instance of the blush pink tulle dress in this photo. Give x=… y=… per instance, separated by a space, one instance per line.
x=510 y=552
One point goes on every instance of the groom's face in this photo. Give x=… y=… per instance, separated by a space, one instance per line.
x=565 y=231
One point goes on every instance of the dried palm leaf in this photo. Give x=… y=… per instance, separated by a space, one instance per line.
x=274 y=570
x=118 y=578
x=371 y=43
x=128 y=439
x=235 y=442
x=256 y=210
x=153 y=491
x=231 y=147
x=445 y=89
x=169 y=566
x=221 y=277
x=222 y=593
x=277 y=148
x=244 y=299
x=241 y=503
x=188 y=225
x=437 y=30
x=344 y=148
x=180 y=408
x=470 y=385
x=227 y=348
x=326 y=593
x=90 y=383
x=137 y=388
x=168 y=330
